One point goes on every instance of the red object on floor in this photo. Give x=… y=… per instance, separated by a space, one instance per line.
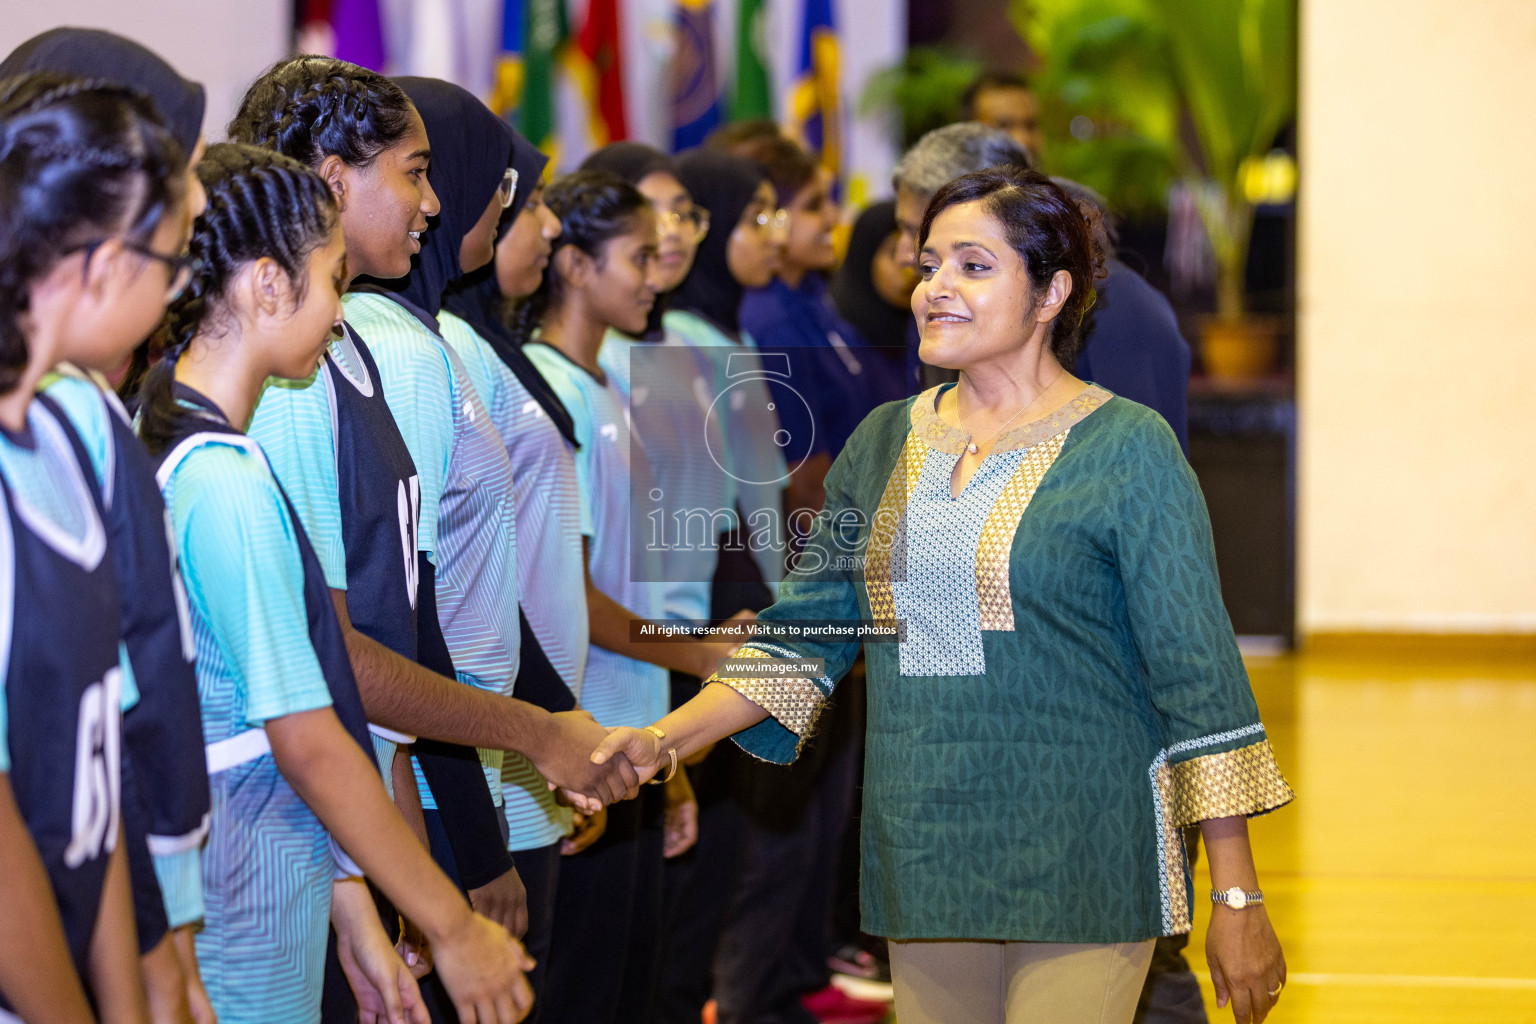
x=832 y=1005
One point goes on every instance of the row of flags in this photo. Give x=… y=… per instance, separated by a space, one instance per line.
x=559 y=82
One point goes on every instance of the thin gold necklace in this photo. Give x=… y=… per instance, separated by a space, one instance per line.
x=971 y=445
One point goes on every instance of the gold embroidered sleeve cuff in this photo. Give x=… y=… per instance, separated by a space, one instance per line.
x=794 y=702
x=1245 y=781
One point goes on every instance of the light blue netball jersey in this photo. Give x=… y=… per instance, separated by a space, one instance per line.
x=268 y=865
x=466 y=496
x=550 y=580
x=746 y=413
x=618 y=690
x=669 y=391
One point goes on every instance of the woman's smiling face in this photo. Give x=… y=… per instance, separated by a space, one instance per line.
x=974 y=302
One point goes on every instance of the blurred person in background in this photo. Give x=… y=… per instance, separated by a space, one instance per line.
x=938 y=158
x=873 y=291
x=1131 y=340
x=668 y=385
x=1008 y=103
x=833 y=383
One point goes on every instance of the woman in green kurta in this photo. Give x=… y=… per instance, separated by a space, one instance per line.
x=1066 y=693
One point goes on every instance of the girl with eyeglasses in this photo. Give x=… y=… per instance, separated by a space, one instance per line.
x=93 y=210
x=609 y=900
x=299 y=809
x=162 y=732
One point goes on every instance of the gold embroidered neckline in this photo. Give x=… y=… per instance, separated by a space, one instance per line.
x=931 y=429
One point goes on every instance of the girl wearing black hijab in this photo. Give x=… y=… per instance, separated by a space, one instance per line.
x=740 y=252
x=872 y=290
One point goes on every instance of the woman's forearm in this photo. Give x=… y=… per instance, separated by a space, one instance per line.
x=335 y=778
x=1229 y=853
x=36 y=974
x=717 y=712
x=114 y=957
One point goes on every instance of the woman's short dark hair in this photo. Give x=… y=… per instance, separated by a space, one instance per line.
x=80 y=162
x=1047 y=228
x=594 y=208
x=310 y=107
x=260 y=205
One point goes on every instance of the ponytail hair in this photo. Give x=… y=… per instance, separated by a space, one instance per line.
x=309 y=108
x=261 y=205
x=81 y=161
x=594 y=208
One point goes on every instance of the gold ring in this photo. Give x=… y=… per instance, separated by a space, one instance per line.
x=1276 y=991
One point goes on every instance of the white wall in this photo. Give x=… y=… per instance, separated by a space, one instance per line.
x=1417 y=332
x=222 y=43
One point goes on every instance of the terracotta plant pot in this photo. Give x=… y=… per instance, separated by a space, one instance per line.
x=1239 y=349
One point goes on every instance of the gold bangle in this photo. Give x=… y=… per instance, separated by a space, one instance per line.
x=671 y=753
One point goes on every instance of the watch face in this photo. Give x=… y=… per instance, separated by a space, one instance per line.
x=1236 y=898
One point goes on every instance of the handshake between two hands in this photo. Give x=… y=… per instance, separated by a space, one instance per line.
x=592 y=767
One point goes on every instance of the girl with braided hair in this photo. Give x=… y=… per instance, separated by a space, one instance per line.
x=399 y=416
x=91 y=213
x=291 y=791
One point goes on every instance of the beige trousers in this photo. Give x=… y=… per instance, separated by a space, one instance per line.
x=959 y=982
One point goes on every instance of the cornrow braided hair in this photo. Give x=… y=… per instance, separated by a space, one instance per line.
x=80 y=161
x=311 y=107
x=260 y=205
x=594 y=208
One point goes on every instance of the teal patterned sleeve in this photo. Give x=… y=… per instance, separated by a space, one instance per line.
x=181 y=885
x=824 y=588
x=294 y=427
x=240 y=558
x=1218 y=761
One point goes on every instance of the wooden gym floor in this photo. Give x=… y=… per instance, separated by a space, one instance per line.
x=1402 y=880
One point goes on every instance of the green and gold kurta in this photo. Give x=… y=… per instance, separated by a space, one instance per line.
x=1068 y=692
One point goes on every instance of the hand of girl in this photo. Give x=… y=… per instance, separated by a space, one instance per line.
x=505 y=901
x=483 y=968
x=414 y=949
x=197 y=996
x=586 y=829
x=680 y=824
x=385 y=990
x=165 y=986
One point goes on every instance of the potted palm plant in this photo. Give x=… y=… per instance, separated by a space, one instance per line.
x=1190 y=89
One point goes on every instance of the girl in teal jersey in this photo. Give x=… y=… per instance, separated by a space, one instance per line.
x=277 y=691
x=89 y=203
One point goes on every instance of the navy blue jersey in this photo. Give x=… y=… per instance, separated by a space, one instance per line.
x=380 y=498
x=63 y=678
